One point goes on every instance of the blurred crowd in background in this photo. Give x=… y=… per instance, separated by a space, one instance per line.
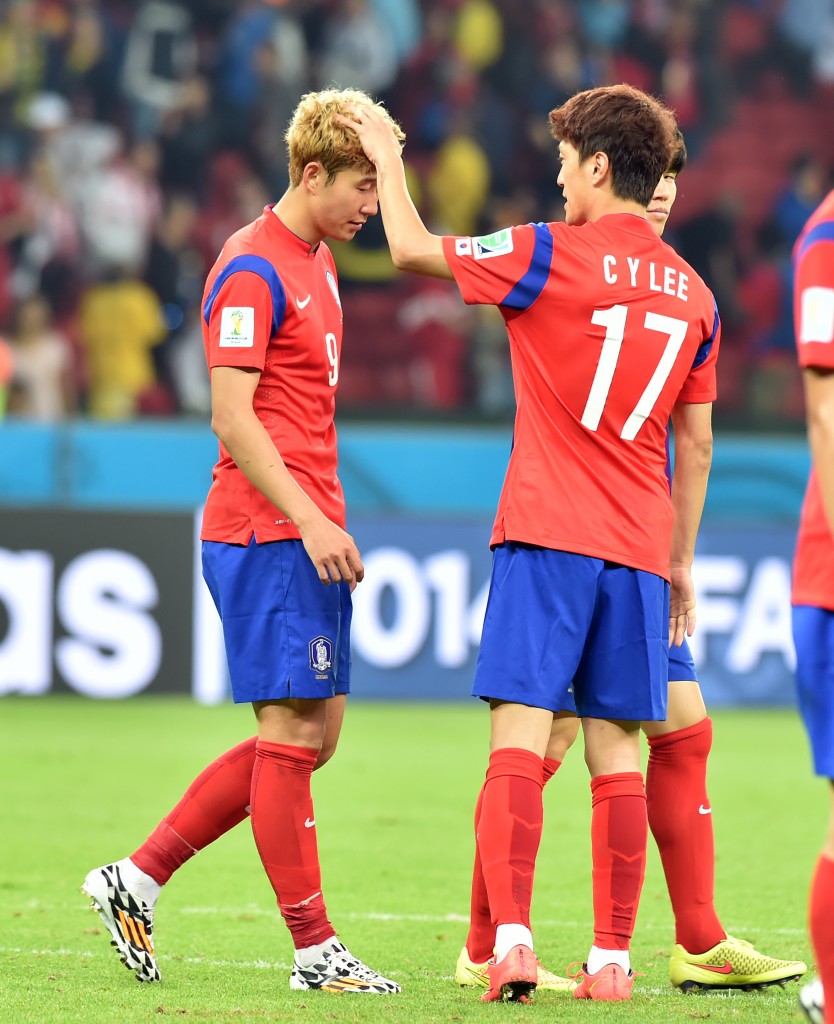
x=136 y=136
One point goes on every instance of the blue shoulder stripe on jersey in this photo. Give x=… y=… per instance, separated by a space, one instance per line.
x=705 y=347
x=256 y=265
x=525 y=291
x=821 y=233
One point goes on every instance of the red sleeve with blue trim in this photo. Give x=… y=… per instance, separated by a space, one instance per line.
x=507 y=268
x=243 y=309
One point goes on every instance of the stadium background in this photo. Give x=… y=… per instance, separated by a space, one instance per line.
x=134 y=137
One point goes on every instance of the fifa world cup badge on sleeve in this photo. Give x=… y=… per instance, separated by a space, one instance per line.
x=499 y=243
x=237 y=327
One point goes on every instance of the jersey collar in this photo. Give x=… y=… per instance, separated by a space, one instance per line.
x=288 y=238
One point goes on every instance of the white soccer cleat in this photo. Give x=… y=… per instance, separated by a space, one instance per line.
x=812 y=1002
x=339 y=971
x=128 y=918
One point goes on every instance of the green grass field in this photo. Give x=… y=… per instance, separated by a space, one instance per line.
x=84 y=782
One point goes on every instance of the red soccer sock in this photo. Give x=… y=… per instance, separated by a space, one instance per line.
x=215 y=802
x=681 y=822
x=481 y=937
x=509 y=831
x=821 y=919
x=283 y=825
x=619 y=830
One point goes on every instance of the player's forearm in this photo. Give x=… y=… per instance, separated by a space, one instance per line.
x=413 y=246
x=247 y=441
x=820 y=395
x=689 y=491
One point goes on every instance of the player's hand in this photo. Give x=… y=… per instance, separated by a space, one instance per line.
x=376 y=134
x=681 y=605
x=333 y=552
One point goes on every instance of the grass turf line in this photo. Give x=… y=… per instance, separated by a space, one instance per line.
x=85 y=781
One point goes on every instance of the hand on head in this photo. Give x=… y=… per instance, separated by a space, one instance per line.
x=376 y=133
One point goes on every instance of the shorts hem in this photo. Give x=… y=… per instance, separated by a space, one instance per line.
x=288 y=692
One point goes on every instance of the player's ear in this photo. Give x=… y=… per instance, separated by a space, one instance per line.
x=314 y=176
x=601 y=166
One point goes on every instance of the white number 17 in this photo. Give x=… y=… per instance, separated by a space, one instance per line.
x=614 y=322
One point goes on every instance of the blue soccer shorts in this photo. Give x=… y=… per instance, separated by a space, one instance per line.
x=286 y=633
x=682 y=664
x=563 y=629
x=813 y=637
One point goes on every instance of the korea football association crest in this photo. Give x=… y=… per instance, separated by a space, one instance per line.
x=321 y=655
x=331 y=280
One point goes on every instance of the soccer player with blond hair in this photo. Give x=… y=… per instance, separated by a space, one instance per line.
x=276 y=557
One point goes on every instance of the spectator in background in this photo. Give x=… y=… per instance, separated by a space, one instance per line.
x=459 y=181
x=48 y=258
x=403 y=19
x=188 y=137
x=358 y=49
x=174 y=272
x=161 y=55
x=119 y=206
x=252 y=26
x=23 y=53
x=803 y=194
x=120 y=322
x=42 y=364
x=234 y=195
x=86 y=59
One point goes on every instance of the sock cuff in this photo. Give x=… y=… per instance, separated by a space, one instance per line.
x=299 y=759
x=698 y=737
x=549 y=768
x=606 y=787
x=515 y=761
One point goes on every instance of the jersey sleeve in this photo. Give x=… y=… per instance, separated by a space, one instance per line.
x=506 y=268
x=701 y=384
x=814 y=303
x=243 y=310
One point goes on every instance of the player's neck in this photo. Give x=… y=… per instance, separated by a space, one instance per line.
x=607 y=203
x=293 y=210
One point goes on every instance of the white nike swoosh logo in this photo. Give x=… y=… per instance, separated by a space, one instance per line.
x=301 y=303
x=704 y=810
x=309 y=822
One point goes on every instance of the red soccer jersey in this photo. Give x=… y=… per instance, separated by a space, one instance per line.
x=272 y=303
x=608 y=329
x=813 y=567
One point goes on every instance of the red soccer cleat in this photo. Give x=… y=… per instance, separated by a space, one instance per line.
x=609 y=984
x=512 y=979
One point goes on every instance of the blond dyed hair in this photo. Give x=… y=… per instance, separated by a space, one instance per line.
x=314 y=135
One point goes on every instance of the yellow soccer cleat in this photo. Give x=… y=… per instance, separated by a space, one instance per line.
x=472 y=975
x=733 y=963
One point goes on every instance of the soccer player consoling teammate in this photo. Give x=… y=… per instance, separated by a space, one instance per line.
x=276 y=556
x=611 y=334
x=813 y=571
x=679 y=809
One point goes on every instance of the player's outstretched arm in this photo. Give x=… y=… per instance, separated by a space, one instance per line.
x=233 y=420
x=413 y=246
x=692 y=425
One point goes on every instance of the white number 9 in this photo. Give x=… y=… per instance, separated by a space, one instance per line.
x=333 y=356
